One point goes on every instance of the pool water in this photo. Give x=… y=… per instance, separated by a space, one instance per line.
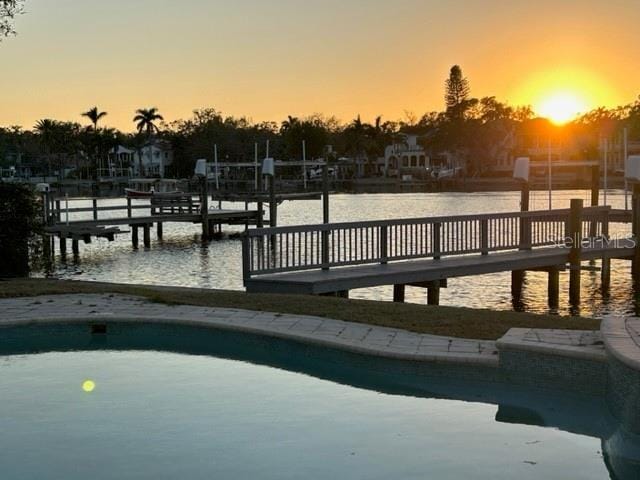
x=160 y=415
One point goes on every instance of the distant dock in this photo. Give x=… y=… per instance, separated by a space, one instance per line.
x=165 y=208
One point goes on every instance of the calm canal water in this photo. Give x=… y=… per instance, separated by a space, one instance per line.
x=181 y=259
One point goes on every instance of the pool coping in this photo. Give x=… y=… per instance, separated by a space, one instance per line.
x=389 y=352
x=349 y=336
x=516 y=339
x=622 y=340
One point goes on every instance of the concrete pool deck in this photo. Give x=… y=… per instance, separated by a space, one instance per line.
x=360 y=338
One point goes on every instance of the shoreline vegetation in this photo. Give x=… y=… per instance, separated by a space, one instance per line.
x=457 y=322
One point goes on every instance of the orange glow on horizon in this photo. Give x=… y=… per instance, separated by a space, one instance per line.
x=564 y=94
x=268 y=60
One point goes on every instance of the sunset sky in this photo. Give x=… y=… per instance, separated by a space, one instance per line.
x=267 y=59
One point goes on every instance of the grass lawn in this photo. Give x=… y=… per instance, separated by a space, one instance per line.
x=448 y=321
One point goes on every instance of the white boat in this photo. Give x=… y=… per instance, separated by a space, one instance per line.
x=445 y=172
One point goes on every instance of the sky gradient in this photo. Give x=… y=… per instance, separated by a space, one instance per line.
x=268 y=59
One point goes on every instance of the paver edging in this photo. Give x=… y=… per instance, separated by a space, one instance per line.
x=513 y=340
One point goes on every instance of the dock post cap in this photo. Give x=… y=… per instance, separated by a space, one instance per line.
x=521 y=169
x=201 y=167
x=632 y=168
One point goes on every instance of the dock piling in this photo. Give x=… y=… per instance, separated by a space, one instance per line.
x=605 y=274
x=325 y=216
x=63 y=245
x=260 y=220
x=204 y=209
x=325 y=193
x=517 y=281
x=134 y=235
x=595 y=185
x=146 y=231
x=398 y=293
x=525 y=222
x=595 y=196
x=159 y=230
x=575 y=235
x=433 y=293
x=273 y=203
x=553 y=288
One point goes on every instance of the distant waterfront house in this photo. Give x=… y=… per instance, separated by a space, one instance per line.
x=150 y=160
x=154 y=157
x=615 y=152
x=120 y=161
x=539 y=140
x=16 y=168
x=349 y=168
x=121 y=156
x=406 y=156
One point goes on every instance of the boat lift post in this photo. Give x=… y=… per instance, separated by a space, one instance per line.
x=304 y=164
x=255 y=169
x=215 y=163
x=606 y=162
x=624 y=166
x=550 y=181
x=201 y=174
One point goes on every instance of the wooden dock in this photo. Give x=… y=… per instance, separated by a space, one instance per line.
x=105 y=222
x=425 y=252
x=423 y=273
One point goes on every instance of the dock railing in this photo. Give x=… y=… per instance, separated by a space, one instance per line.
x=325 y=246
x=62 y=208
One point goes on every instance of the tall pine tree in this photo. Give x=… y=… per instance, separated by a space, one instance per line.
x=456 y=92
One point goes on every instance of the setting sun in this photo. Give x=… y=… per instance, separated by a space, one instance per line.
x=562 y=93
x=561 y=107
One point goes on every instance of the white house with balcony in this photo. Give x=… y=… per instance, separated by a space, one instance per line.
x=406 y=156
x=151 y=160
x=154 y=158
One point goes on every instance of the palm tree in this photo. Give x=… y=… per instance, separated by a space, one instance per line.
x=46 y=129
x=144 y=119
x=94 y=115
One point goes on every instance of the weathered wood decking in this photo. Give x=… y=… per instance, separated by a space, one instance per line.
x=224 y=216
x=318 y=282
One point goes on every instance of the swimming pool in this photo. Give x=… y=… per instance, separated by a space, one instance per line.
x=117 y=406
